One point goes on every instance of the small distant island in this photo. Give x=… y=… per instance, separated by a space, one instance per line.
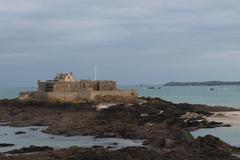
x=208 y=83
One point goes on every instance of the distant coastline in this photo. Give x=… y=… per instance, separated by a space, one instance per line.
x=208 y=83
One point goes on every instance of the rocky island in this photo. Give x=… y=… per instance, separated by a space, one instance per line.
x=68 y=107
x=164 y=126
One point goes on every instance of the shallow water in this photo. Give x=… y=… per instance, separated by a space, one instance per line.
x=34 y=136
x=227 y=134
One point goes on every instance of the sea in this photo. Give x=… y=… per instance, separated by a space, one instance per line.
x=210 y=95
x=13 y=92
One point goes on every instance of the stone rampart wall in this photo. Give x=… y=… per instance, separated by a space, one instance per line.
x=76 y=86
x=75 y=97
x=128 y=94
x=107 y=85
x=68 y=97
x=41 y=86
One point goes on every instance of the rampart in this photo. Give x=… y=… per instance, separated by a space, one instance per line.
x=55 y=86
x=76 y=97
x=65 y=88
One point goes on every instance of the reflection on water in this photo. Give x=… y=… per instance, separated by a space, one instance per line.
x=34 y=136
x=229 y=135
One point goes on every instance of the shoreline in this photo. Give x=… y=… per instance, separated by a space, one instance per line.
x=226 y=117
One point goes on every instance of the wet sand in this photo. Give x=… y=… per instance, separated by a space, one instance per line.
x=226 y=117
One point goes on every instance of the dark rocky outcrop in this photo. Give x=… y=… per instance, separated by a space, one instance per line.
x=163 y=125
x=20 y=132
x=6 y=145
x=151 y=88
x=30 y=150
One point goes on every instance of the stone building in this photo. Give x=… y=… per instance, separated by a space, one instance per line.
x=65 y=88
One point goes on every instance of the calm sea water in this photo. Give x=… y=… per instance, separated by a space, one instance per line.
x=221 y=95
x=13 y=92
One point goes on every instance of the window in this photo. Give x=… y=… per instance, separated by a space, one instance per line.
x=84 y=85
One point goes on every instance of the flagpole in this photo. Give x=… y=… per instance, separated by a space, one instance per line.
x=95 y=72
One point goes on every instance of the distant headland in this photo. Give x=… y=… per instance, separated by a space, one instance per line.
x=208 y=83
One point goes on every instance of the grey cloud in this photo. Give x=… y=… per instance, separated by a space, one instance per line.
x=132 y=41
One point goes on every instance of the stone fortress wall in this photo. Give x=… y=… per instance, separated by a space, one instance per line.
x=56 y=86
x=65 y=88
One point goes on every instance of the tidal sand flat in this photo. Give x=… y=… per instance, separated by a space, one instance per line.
x=227 y=117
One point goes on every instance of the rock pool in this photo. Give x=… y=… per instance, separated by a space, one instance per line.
x=35 y=136
x=229 y=135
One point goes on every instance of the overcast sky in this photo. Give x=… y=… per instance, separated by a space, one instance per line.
x=131 y=41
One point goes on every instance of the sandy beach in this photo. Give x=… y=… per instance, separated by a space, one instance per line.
x=227 y=117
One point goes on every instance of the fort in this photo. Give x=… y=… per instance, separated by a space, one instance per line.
x=65 y=88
